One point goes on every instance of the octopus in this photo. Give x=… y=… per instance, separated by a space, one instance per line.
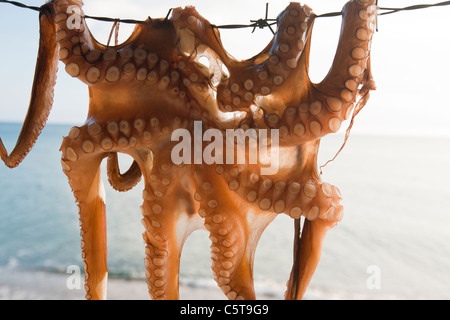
x=169 y=80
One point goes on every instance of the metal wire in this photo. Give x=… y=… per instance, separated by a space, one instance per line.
x=260 y=23
x=21 y=5
x=414 y=7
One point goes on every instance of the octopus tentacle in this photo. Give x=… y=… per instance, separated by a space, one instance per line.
x=162 y=250
x=234 y=233
x=295 y=190
x=267 y=73
x=122 y=182
x=103 y=67
x=326 y=105
x=232 y=251
x=351 y=66
x=167 y=223
x=77 y=48
x=307 y=255
x=42 y=92
x=83 y=172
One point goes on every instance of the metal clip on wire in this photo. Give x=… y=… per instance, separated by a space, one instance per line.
x=262 y=23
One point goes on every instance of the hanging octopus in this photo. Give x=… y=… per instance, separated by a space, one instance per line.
x=173 y=76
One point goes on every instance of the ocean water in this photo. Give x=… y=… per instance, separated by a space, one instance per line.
x=394 y=241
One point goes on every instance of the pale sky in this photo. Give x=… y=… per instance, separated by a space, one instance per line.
x=410 y=58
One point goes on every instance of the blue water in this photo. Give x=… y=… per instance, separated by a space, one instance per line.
x=397 y=220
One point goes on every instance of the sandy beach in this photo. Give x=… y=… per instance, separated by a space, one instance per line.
x=40 y=285
x=18 y=285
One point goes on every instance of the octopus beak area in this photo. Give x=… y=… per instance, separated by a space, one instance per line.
x=307 y=250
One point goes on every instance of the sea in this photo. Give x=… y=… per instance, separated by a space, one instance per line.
x=393 y=243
